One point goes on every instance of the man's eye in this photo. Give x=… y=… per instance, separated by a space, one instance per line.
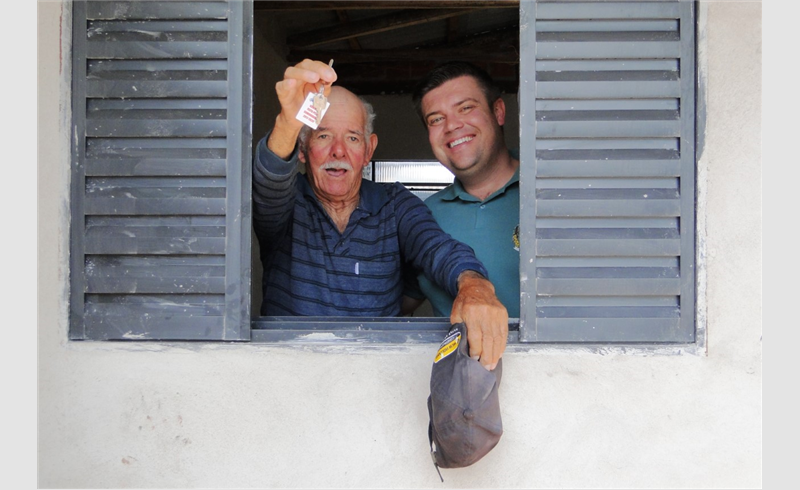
x=434 y=121
x=354 y=139
x=467 y=108
x=322 y=136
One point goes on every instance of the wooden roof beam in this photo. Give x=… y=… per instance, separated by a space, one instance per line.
x=365 y=27
x=353 y=42
x=381 y=4
x=499 y=46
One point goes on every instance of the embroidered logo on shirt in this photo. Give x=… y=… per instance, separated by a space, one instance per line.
x=515 y=238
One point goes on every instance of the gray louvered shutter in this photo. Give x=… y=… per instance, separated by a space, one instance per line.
x=607 y=93
x=160 y=232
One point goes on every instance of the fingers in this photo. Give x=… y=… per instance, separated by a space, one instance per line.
x=475 y=339
x=311 y=72
x=301 y=79
x=488 y=359
x=487 y=331
x=487 y=341
x=485 y=316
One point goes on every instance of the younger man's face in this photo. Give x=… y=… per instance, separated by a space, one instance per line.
x=463 y=129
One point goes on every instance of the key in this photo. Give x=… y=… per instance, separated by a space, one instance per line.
x=320 y=101
x=314 y=107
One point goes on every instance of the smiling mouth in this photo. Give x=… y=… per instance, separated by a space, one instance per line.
x=459 y=141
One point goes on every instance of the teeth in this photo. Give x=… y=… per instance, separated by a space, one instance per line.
x=460 y=140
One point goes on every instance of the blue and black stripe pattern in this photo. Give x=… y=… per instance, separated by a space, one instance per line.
x=310 y=269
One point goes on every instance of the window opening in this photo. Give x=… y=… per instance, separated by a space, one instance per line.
x=380 y=54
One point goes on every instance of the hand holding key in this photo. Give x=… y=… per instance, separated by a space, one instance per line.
x=300 y=80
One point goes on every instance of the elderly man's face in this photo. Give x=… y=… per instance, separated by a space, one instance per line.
x=338 y=150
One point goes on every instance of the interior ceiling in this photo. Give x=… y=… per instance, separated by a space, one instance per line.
x=385 y=46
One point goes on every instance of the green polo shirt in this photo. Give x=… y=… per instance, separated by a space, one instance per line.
x=491 y=228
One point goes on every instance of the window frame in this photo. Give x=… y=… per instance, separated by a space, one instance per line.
x=358 y=331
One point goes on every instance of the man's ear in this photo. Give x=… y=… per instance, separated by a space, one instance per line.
x=301 y=156
x=499 y=108
x=371 y=145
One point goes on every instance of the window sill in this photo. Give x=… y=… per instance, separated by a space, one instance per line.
x=356 y=330
x=347 y=333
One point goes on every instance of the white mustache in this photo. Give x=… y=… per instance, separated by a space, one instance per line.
x=337 y=165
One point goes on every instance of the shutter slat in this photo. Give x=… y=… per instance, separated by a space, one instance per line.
x=155 y=206
x=612 y=330
x=186 y=128
x=158 y=284
x=119 y=240
x=607 y=10
x=604 y=26
x=615 y=312
x=161 y=245
x=607 y=248
x=156 y=10
x=607 y=168
x=148 y=275
x=162 y=309
x=146 y=88
x=131 y=50
x=559 y=50
x=618 y=287
x=609 y=129
x=100 y=27
x=607 y=90
x=168 y=167
x=608 y=208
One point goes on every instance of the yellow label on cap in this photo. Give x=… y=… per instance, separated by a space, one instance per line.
x=447 y=348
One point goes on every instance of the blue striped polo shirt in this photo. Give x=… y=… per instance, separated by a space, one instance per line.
x=311 y=269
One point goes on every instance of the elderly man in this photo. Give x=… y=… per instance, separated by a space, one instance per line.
x=461 y=107
x=334 y=245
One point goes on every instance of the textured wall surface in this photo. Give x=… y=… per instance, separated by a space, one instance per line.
x=216 y=415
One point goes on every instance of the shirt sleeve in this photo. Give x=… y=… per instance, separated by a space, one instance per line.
x=273 y=191
x=439 y=256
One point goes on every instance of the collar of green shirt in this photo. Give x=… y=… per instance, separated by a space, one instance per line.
x=456 y=191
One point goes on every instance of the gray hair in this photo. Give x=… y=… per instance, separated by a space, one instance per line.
x=369 y=123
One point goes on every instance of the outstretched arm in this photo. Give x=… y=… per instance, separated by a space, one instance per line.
x=453 y=266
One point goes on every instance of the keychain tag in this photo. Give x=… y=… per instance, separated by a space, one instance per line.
x=308 y=113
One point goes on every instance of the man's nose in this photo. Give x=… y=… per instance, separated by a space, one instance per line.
x=453 y=122
x=337 y=148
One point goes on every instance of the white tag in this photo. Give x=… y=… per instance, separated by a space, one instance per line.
x=308 y=114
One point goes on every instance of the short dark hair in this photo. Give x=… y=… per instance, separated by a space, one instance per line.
x=448 y=71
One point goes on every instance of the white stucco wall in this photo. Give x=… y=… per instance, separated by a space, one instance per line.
x=211 y=415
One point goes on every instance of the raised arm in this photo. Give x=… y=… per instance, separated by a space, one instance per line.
x=275 y=163
x=298 y=81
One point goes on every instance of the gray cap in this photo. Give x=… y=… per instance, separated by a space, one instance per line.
x=464 y=406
